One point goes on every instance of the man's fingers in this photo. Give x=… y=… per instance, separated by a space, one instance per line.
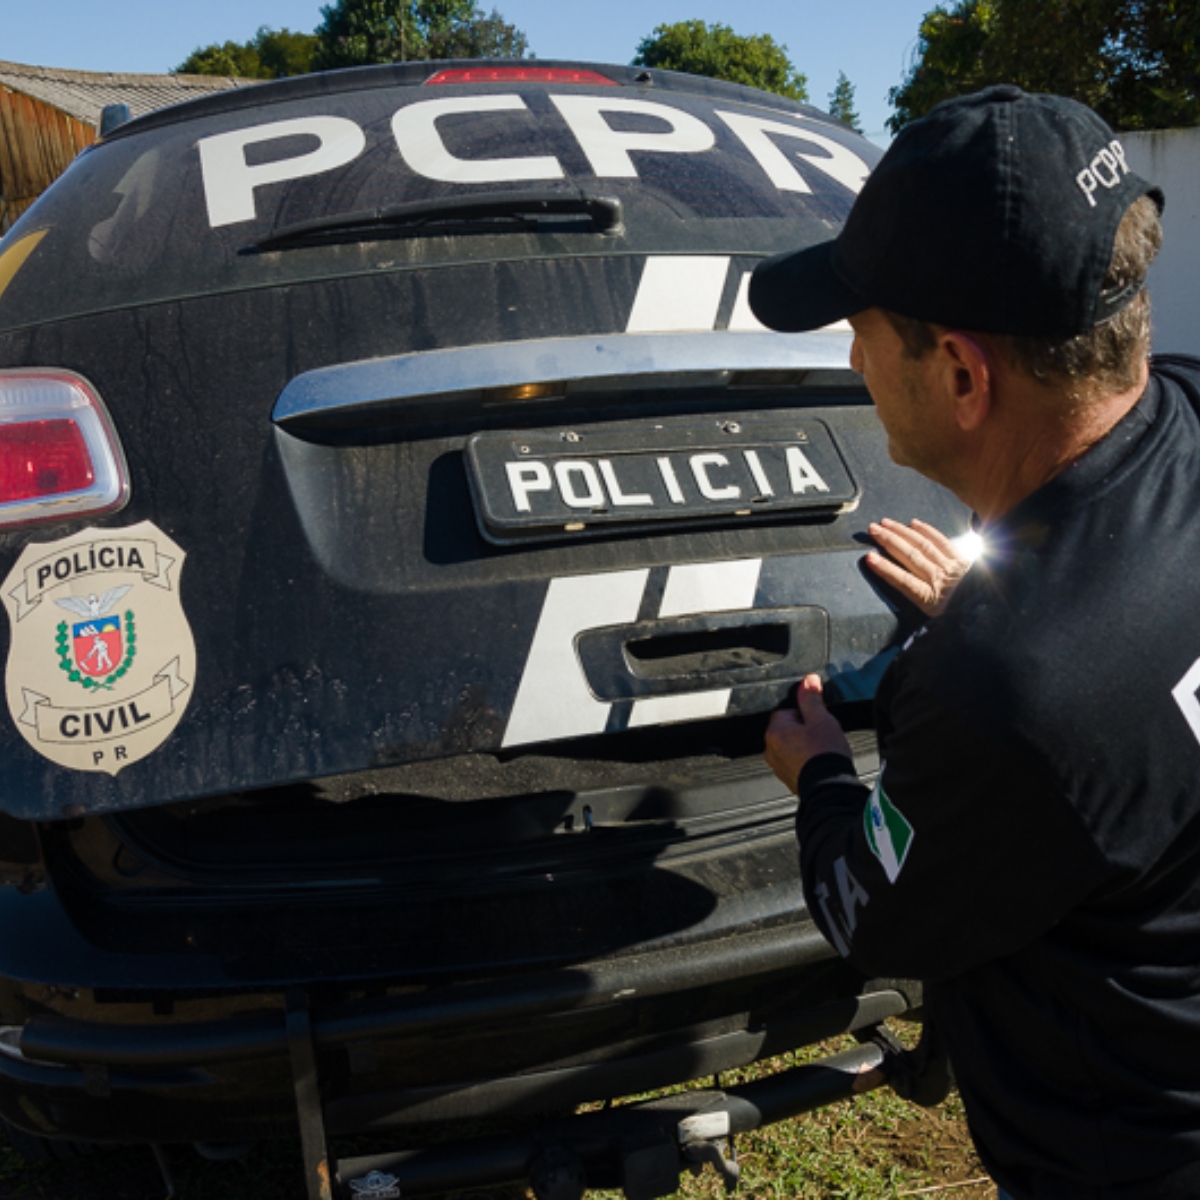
x=919 y=561
x=810 y=700
x=913 y=545
x=939 y=539
x=782 y=722
x=928 y=540
x=794 y=737
x=906 y=547
x=904 y=581
x=782 y=746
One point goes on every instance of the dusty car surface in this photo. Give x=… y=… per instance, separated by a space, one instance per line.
x=406 y=528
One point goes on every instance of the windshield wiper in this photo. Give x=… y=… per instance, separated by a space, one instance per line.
x=497 y=211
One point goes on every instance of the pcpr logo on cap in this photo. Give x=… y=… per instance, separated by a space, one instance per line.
x=1105 y=170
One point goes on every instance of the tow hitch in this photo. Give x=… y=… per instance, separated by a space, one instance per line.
x=642 y=1149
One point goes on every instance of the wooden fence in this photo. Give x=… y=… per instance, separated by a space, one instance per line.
x=36 y=144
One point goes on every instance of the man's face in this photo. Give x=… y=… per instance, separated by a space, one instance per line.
x=900 y=386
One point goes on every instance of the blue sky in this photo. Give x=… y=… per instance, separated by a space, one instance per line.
x=870 y=40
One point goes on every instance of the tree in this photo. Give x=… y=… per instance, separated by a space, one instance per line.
x=718 y=52
x=1136 y=62
x=841 y=103
x=231 y=58
x=269 y=54
x=358 y=32
x=480 y=37
x=286 y=53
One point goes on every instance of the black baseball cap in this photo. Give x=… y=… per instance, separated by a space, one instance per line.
x=995 y=212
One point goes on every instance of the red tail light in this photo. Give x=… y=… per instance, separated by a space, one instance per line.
x=520 y=75
x=59 y=453
x=43 y=458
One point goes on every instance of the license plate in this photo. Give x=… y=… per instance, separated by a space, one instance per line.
x=600 y=478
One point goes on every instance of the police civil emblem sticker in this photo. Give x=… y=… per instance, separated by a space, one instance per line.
x=101 y=662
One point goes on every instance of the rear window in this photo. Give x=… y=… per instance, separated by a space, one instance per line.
x=181 y=207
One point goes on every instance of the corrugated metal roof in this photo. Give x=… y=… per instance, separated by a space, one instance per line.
x=83 y=94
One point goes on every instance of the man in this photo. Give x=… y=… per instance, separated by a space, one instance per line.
x=1032 y=847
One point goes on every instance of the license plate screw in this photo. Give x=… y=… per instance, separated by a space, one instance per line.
x=570 y=436
x=731 y=427
x=522 y=449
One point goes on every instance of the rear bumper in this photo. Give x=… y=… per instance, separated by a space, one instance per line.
x=503 y=1048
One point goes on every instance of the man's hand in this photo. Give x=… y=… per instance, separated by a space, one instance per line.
x=794 y=735
x=924 y=565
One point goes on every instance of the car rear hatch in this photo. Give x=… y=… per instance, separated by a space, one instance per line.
x=446 y=405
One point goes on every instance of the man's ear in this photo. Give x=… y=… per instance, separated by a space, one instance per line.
x=967 y=377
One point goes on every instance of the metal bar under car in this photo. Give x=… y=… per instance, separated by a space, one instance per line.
x=642 y=1149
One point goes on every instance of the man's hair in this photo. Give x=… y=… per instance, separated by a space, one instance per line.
x=1107 y=358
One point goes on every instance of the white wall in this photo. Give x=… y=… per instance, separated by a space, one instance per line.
x=1171 y=159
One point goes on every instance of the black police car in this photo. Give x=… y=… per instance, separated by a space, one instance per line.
x=405 y=529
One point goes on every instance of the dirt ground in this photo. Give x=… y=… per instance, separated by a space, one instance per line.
x=937 y=1144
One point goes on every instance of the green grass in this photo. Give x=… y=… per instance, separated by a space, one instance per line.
x=876 y=1147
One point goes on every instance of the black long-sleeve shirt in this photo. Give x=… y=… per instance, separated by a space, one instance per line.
x=1032 y=846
